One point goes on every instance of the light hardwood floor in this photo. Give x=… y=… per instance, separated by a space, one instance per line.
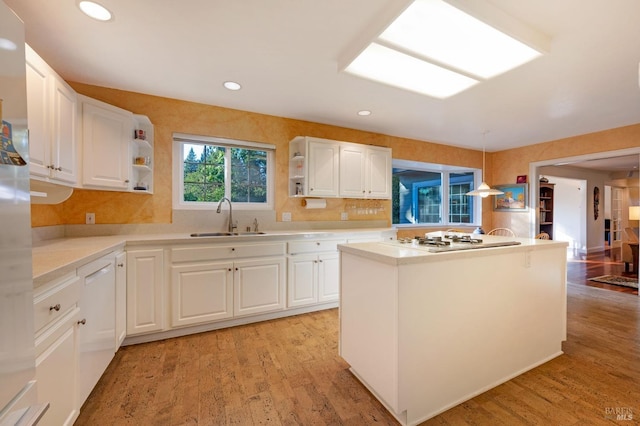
x=287 y=372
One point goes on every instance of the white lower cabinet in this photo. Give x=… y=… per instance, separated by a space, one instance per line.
x=201 y=293
x=258 y=286
x=97 y=332
x=56 y=316
x=145 y=289
x=218 y=282
x=313 y=278
x=313 y=272
x=56 y=371
x=121 y=298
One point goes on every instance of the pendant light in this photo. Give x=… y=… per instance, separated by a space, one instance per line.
x=484 y=190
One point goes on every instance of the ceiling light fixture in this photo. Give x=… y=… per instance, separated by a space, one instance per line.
x=484 y=190
x=95 y=10
x=364 y=113
x=232 y=85
x=440 y=49
x=6 y=44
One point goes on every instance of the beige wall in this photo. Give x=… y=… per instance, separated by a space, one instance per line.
x=170 y=115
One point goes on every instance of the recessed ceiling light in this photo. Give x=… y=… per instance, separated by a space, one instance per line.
x=95 y=10
x=364 y=112
x=232 y=85
x=6 y=44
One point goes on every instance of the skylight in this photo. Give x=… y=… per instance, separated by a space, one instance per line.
x=436 y=49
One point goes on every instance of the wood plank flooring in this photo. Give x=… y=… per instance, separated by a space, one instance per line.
x=287 y=372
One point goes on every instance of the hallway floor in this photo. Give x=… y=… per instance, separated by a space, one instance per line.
x=581 y=268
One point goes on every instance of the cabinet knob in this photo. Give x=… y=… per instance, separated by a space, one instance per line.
x=236 y=269
x=229 y=269
x=310 y=189
x=83 y=321
x=50 y=166
x=56 y=307
x=233 y=249
x=58 y=169
x=320 y=261
x=120 y=265
x=126 y=181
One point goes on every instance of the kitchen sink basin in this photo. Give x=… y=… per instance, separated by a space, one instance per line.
x=224 y=234
x=212 y=234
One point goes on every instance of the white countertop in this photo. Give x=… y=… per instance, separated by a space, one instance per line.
x=403 y=254
x=55 y=258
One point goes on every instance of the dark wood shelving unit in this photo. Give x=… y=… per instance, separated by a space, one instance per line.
x=545 y=200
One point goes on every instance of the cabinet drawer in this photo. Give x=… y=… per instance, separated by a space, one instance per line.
x=57 y=299
x=314 y=246
x=198 y=254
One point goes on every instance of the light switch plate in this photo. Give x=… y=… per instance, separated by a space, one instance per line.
x=90 y=219
x=344 y=216
x=286 y=216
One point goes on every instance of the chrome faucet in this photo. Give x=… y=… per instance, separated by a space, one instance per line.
x=231 y=225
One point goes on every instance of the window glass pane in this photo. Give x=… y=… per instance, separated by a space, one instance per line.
x=460 y=205
x=211 y=172
x=436 y=196
x=416 y=196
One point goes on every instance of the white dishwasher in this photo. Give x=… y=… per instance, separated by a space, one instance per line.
x=97 y=327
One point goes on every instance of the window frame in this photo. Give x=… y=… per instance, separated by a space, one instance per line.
x=445 y=171
x=179 y=139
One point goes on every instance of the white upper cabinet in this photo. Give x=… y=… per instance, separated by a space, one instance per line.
x=378 y=172
x=106 y=134
x=52 y=109
x=326 y=168
x=365 y=171
x=323 y=168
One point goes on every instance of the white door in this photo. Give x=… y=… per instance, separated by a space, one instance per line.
x=328 y=277
x=144 y=291
x=121 y=298
x=259 y=286
x=106 y=133
x=323 y=169
x=378 y=176
x=38 y=107
x=352 y=171
x=64 y=115
x=302 y=287
x=201 y=293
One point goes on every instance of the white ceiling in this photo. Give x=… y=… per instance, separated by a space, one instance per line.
x=285 y=53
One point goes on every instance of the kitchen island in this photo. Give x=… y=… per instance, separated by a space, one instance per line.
x=425 y=331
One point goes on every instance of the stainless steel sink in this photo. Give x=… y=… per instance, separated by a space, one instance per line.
x=224 y=234
x=212 y=234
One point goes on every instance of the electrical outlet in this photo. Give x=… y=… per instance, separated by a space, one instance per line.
x=90 y=219
x=286 y=216
x=344 y=216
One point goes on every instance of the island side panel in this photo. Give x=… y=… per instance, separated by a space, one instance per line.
x=468 y=324
x=369 y=324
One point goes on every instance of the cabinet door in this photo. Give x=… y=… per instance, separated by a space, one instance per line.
x=145 y=282
x=121 y=298
x=106 y=132
x=323 y=169
x=302 y=287
x=328 y=277
x=378 y=174
x=201 y=293
x=352 y=171
x=63 y=123
x=56 y=371
x=97 y=333
x=259 y=286
x=37 y=107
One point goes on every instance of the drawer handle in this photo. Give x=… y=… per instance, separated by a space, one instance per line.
x=120 y=265
x=83 y=321
x=55 y=307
